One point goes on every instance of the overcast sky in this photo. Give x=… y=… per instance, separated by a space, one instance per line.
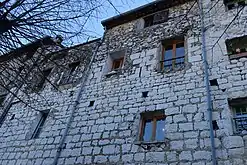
x=121 y=5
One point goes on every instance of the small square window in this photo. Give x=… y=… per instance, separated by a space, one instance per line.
x=91 y=103
x=239 y=108
x=117 y=64
x=144 y=94
x=214 y=82
x=40 y=124
x=152 y=126
x=173 y=54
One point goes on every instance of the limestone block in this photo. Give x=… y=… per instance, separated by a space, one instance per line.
x=236 y=152
x=185 y=126
x=100 y=159
x=155 y=157
x=179 y=118
x=202 y=155
x=127 y=158
x=139 y=157
x=109 y=149
x=171 y=156
x=185 y=155
x=233 y=142
x=177 y=145
x=189 y=108
x=191 y=143
x=172 y=111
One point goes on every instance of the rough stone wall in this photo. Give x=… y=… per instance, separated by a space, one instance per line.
x=107 y=133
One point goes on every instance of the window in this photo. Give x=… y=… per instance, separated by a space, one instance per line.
x=114 y=63
x=68 y=76
x=237 y=47
x=173 y=54
x=152 y=126
x=42 y=79
x=40 y=124
x=2 y=98
x=117 y=64
x=239 y=108
x=232 y=4
x=156 y=18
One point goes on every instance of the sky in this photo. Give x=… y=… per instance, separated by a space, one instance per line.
x=121 y=5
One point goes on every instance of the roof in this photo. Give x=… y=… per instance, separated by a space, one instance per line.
x=29 y=48
x=141 y=12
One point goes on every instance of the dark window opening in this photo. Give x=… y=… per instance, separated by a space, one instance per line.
x=12 y=117
x=2 y=99
x=91 y=103
x=241 y=3
x=215 y=125
x=232 y=4
x=156 y=18
x=69 y=75
x=144 y=94
x=43 y=78
x=117 y=64
x=214 y=82
x=73 y=67
x=40 y=124
x=152 y=126
x=173 y=54
x=237 y=47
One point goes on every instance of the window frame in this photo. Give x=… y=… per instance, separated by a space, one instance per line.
x=149 y=20
x=154 y=117
x=114 y=61
x=172 y=42
x=232 y=49
x=234 y=4
x=2 y=99
x=42 y=79
x=67 y=76
x=234 y=104
x=40 y=124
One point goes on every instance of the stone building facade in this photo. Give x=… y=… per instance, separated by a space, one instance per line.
x=138 y=95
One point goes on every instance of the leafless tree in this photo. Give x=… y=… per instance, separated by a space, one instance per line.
x=25 y=21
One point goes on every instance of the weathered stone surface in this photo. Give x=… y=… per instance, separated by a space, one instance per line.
x=109 y=131
x=233 y=142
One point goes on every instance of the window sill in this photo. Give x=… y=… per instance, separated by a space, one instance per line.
x=111 y=73
x=237 y=56
x=151 y=142
x=174 y=70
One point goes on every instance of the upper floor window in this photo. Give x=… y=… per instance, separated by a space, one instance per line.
x=237 y=47
x=173 y=54
x=156 y=18
x=117 y=63
x=232 y=4
x=2 y=99
x=44 y=75
x=152 y=126
x=69 y=74
x=239 y=108
x=114 y=63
